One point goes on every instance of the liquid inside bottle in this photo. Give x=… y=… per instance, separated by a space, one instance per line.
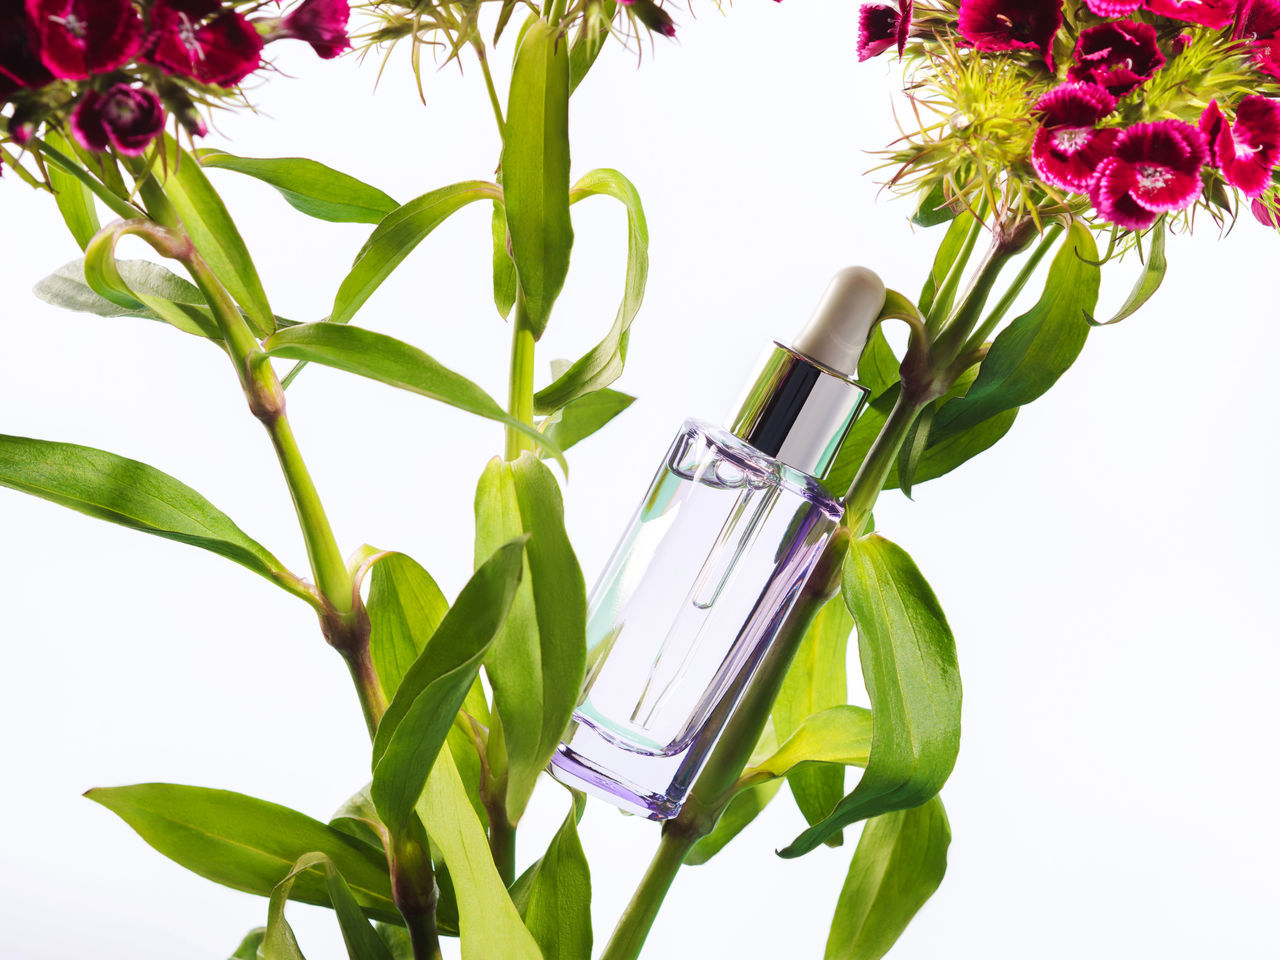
x=693 y=595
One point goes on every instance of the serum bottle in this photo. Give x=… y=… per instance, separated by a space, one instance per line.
x=712 y=562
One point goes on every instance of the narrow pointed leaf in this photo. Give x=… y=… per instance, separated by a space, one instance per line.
x=504 y=270
x=248 y=949
x=72 y=195
x=310 y=187
x=417 y=721
x=952 y=244
x=603 y=364
x=535 y=169
x=393 y=362
x=899 y=863
x=278 y=942
x=558 y=909
x=815 y=682
x=130 y=493
x=1149 y=281
x=585 y=416
x=213 y=232
x=245 y=843
x=362 y=942
x=405 y=607
x=909 y=666
x=914 y=446
x=488 y=922
x=537 y=662
x=395 y=237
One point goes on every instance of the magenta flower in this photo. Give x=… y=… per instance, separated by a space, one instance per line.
x=1259 y=22
x=1113 y=8
x=79 y=38
x=127 y=118
x=321 y=23
x=1214 y=14
x=1121 y=56
x=1068 y=146
x=20 y=64
x=1155 y=169
x=1247 y=151
x=1009 y=25
x=1180 y=43
x=881 y=26
x=203 y=40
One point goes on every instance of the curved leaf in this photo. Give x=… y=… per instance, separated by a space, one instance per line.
x=900 y=860
x=585 y=416
x=535 y=170
x=182 y=304
x=395 y=237
x=878 y=366
x=558 y=908
x=418 y=719
x=73 y=196
x=245 y=843
x=1149 y=281
x=815 y=682
x=489 y=924
x=909 y=666
x=603 y=364
x=838 y=735
x=310 y=187
x=394 y=362
x=213 y=232
x=538 y=660
x=129 y=493
x=248 y=949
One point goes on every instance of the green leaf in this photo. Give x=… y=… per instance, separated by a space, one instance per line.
x=418 y=719
x=948 y=251
x=948 y=450
x=839 y=735
x=585 y=416
x=393 y=362
x=878 y=367
x=933 y=208
x=1152 y=276
x=104 y=165
x=397 y=940
x=395 y=237
x=249 y=946
x=310 y=187
x=213 y=232
x=603 y=364
x=743 y=808
x=181 y=303
x=900 y=860
x=73 y=196
x=558 y=910
x=362 y=942
x=405 y=607
x=816 y=681
x=1029 y=356
x=909 y=666
x=535 y=170
x=489 y=924
x=129 y=493
x=245 y=843
x=357 y=818
x=537 y=662
x=504 y=269
x=278 y=943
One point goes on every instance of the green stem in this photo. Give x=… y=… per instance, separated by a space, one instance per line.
x=483 y=56
x=871 y=476
x=944 y=299
x=557 y=11
x=636 y=921
x=520 y=402
x=1003 y=306
x=373 y=702
x=949 y=344
x=502 y=842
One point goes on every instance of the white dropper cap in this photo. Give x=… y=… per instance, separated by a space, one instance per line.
x=837 y=333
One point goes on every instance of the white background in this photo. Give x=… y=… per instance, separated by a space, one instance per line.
x=1108 y=569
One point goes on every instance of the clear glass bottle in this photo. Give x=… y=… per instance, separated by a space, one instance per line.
x=711 y=563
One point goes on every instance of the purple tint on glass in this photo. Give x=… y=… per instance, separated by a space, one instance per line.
x=686 y=607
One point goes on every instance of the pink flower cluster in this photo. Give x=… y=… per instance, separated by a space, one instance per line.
x=87 y=46
x=1131 y=174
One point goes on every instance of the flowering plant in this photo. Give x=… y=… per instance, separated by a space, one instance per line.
x=1042 y=127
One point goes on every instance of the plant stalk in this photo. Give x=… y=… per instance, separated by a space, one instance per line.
x=483 y=56
x=520 y=393
x=502 y=842
x=637 y=919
